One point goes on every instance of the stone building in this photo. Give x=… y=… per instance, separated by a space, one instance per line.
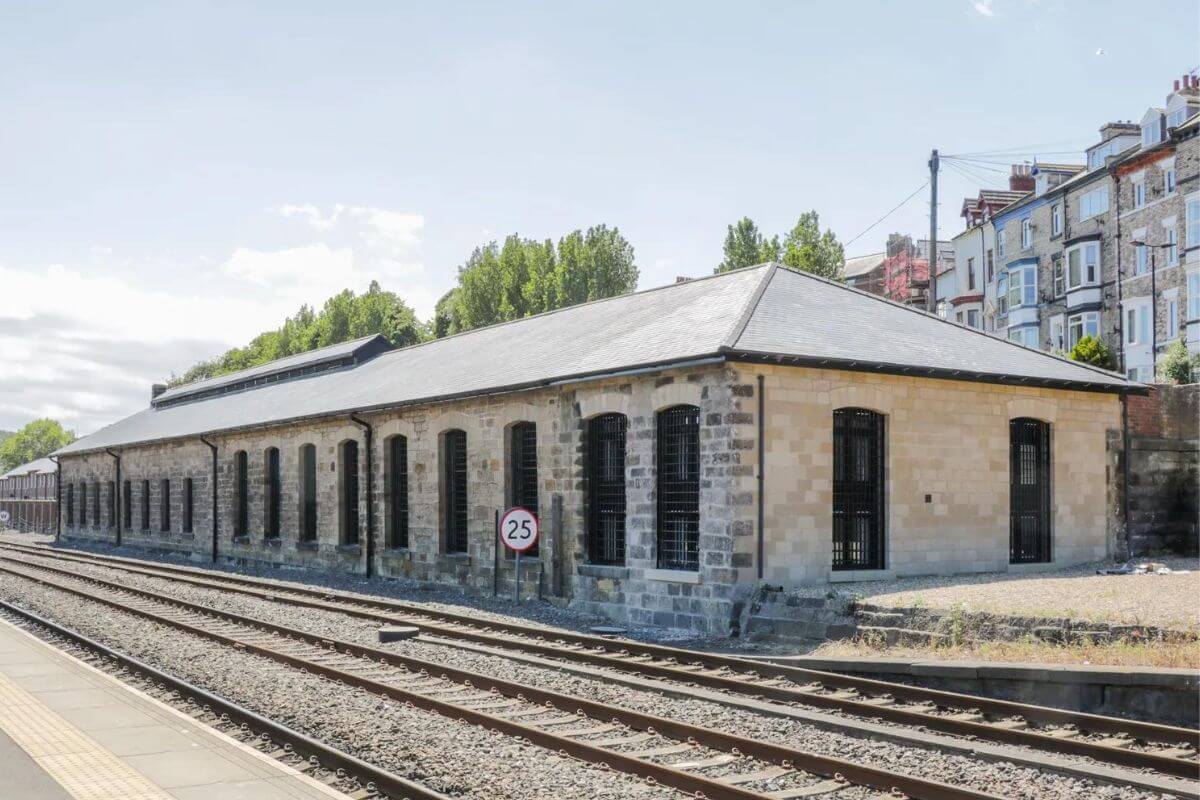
x=29 y=495
x=682 y=445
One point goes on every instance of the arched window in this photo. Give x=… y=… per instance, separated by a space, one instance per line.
x=145 y=505
x=308 y=493
x=271 y=498
x=397 y=472
x=349 y=492
x=605 y=478
x=523 y=470
x=70 y=504
x=679 y=488
x=454 y=491
x=858 y=489
x=189 y=505
x=127 y=505
x=83 y=509
x=1029 y=491
x=112 y=504
x=164 y=505
x=96 y=504
x=241 y=494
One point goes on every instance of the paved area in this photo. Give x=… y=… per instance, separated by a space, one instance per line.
x=1168 y=601
x=68 y=730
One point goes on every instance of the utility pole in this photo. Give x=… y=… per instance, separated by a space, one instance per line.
x=931 y=295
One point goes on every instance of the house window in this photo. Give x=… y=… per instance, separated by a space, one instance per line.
x=991 y=265
x=1139 y=193
x=1000 y=242
x=1137 y=324
x=83 y=505
x=308 y=493
x=71 y=504
x=1024 y=336
x=145 y=505
x=522 y=469
x=112 y=504
x=1060 y=279
x=397 y=466
x=1056 y=332
x=1029 y=491
x=970 y=274
x=858 y=489
x=1022 y=287
x=1172 y=318
x=1168 y=179
x=454 y=491
x=1056 y=219
x=349 y=491
x=1093 y=203
x=1081 y=325
x=127 y=505
x=96 y=504
x=241 y=493
x=1002 y=294
x=1141 y=263
x=1193 y=222
x=189 y=505
x=606 y=489
x=1172 y=247
x=164 y=505
x=679 y=488
x=271 y=501
x=973 y=318
x=1027 y=232
x=1083 y=265
x=1177 y=117
x=1150 y=133
x=1193 y=295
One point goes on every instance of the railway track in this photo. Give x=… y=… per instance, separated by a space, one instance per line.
x=699 y=761
x=1160 y=748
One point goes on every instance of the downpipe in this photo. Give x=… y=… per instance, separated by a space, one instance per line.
x=213 y=480
x=116 y=501
x=368 y=432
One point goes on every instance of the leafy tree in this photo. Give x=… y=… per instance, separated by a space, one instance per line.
x=1091 y=350
x=1178 y=365
x=745 y=246
x=807 y=249
x=36 y=440
x=445 y=315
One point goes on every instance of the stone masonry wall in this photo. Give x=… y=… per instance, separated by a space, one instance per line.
x=1164 y=472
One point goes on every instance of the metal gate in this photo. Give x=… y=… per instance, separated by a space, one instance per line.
x=1029 y=491
x=858 y=489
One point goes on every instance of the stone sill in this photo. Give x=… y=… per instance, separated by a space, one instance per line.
x=453 y=560
x=1039 y=566
x=603 y=571
x=856 y=575
x=672 y=575
x=243 y=540
x=307 y=545
x=397 y=554
x=350 y=549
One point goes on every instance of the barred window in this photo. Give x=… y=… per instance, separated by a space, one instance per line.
x=96 y=504
x=164 y=505
x=127 y=505
x=522 y=470
x=241 y=493
x=308 y=493
x=679 y=488
x=70 y=504
x=83 y=504
x=188 y=505
x=858 y=489
x=1029 y=491
x=271 y=500
x=606 y=489
x=349 y=492
x=454 y=491
x=112 y=504
x=398 y=492
x=145 y=505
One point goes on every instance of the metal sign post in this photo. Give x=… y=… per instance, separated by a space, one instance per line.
x=519 y=532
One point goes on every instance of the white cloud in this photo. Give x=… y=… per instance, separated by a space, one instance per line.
x=984 y=7
x=315 y=264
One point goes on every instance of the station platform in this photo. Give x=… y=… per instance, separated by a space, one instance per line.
x=69 y=731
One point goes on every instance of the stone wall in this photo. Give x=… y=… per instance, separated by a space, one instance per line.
x=1164 y=472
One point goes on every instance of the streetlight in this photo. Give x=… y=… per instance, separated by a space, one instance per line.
x=1153 y=305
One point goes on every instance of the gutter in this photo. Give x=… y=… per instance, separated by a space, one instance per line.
x=117 y=498
x=213 y=448
x=762 y=461
x=368 y=433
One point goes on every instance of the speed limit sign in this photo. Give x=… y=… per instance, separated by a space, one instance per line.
x=519 y=529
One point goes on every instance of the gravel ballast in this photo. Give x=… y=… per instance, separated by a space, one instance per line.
x=1001 y=778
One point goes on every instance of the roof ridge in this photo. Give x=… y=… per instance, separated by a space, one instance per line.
x=955 y=325
x=739 y=326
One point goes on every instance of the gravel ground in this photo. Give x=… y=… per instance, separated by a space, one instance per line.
x=458 y=759
x=1003 y=778
x=1167 y=601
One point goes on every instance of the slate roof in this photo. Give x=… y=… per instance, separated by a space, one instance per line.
x=35 y=466
x=763 y=312
x=861 y=265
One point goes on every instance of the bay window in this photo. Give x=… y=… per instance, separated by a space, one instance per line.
x=1193 y=221
x=1083 y=262
x=1081 y=325
x=1022 y=286
x=1193 y=295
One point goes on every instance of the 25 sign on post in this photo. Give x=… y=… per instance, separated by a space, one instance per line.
x=519 y=529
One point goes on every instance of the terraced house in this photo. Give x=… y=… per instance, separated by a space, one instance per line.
x=682 y=445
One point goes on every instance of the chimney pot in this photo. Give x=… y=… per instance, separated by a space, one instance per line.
x=1177 y=86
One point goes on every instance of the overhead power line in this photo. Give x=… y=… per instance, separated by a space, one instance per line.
x=896 y=208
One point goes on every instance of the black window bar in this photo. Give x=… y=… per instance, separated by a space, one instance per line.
x=679 y=488
x=858 y=489
x=112 y=504
x=70 y=504
x=145 y=505
x=308 y=491
x=454 y=479
x=606 y=489
x=164 y=505
x=523 y=471
x=350 y=492
x=398 y=491
x=1029 y=491
x=96 y=504
x=241 y=494
x=271 y=506
x=127 y=505
x=83 y=509
x=188 y=505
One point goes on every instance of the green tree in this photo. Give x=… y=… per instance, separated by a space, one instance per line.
x=745 y=246
x=805 y=248
x=1091 y=350
x=445 y=315
x=1178 y=365
x=36 y=440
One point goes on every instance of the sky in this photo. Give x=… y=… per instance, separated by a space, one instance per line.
x=179 y=177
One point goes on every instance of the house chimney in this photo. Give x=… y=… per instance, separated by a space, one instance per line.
x=156 y=389
x=1177 y=84
x=682 y=279
x=1021 y=179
